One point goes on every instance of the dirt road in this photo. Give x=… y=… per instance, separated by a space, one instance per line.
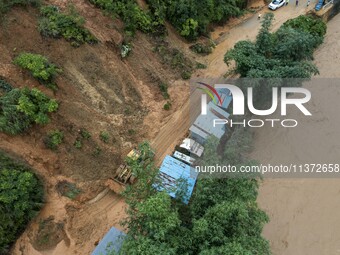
x=304 y=213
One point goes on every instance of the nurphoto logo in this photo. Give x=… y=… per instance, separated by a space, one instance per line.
x=239 y=101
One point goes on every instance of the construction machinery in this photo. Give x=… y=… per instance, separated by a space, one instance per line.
x=123 y=174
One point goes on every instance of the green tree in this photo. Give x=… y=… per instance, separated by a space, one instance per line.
x=39 y=67
x=283 y=54
x=21 y=108
x=21 y=196
x=308 y=24
x=273 y=59
x=222 y=217
x=69 y=25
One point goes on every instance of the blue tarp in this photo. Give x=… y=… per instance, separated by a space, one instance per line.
x=112 y=240
x=171 y=172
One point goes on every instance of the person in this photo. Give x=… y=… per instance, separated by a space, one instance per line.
x=308 y=2
x=259 y=17
x=297 y=2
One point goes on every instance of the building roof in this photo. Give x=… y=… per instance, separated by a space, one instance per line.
x=112 y=240
x=204 y=124
x=171 y=172
x=225 y=95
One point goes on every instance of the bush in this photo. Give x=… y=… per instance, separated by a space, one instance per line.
x=5 y=86
x=132 y=15
x=200 y=66
x=192 y=18
x=78 y=144
x=176 y=59
x=21 y=197
x=186 y=75
x=202 y=49
x=6 y=5
x=164 y=89
x=85 y=134
x=96 y=151
x=167 y=106
x=21 y=108
x=39 y=67
x=104 y=136
x=70 y=26
x=308 y=24
x=54 y=139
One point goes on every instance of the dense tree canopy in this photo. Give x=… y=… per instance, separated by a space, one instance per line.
x=277 y=58
x=283 y=54
x=222 y=217
x=21 y=196
x=192 y=18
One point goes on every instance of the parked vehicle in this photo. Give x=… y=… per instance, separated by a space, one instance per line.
x=123 y=174
x=276 y=4
x=192 y=146
x=184 y=158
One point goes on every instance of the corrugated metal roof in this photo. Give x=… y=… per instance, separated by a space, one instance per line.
x=171 y=171
x=206 y=122
x=112 y=240
x=198 y=131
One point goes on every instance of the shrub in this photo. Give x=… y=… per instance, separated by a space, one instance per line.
x=21 y=108
x=78 y=144
x=6 y=5
x=39 y=67
x=202 y=49
x=54 y=139
x=131 y=132
x=132 y=15
x=308 y=24
x=175 y=59
x=85 y=134
x=164 y=89
x=70 y=26
x=5 y=86
x=167 y=106
x=200 y=66
x=104 y=136
x=186 y=75
x=96 y=151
